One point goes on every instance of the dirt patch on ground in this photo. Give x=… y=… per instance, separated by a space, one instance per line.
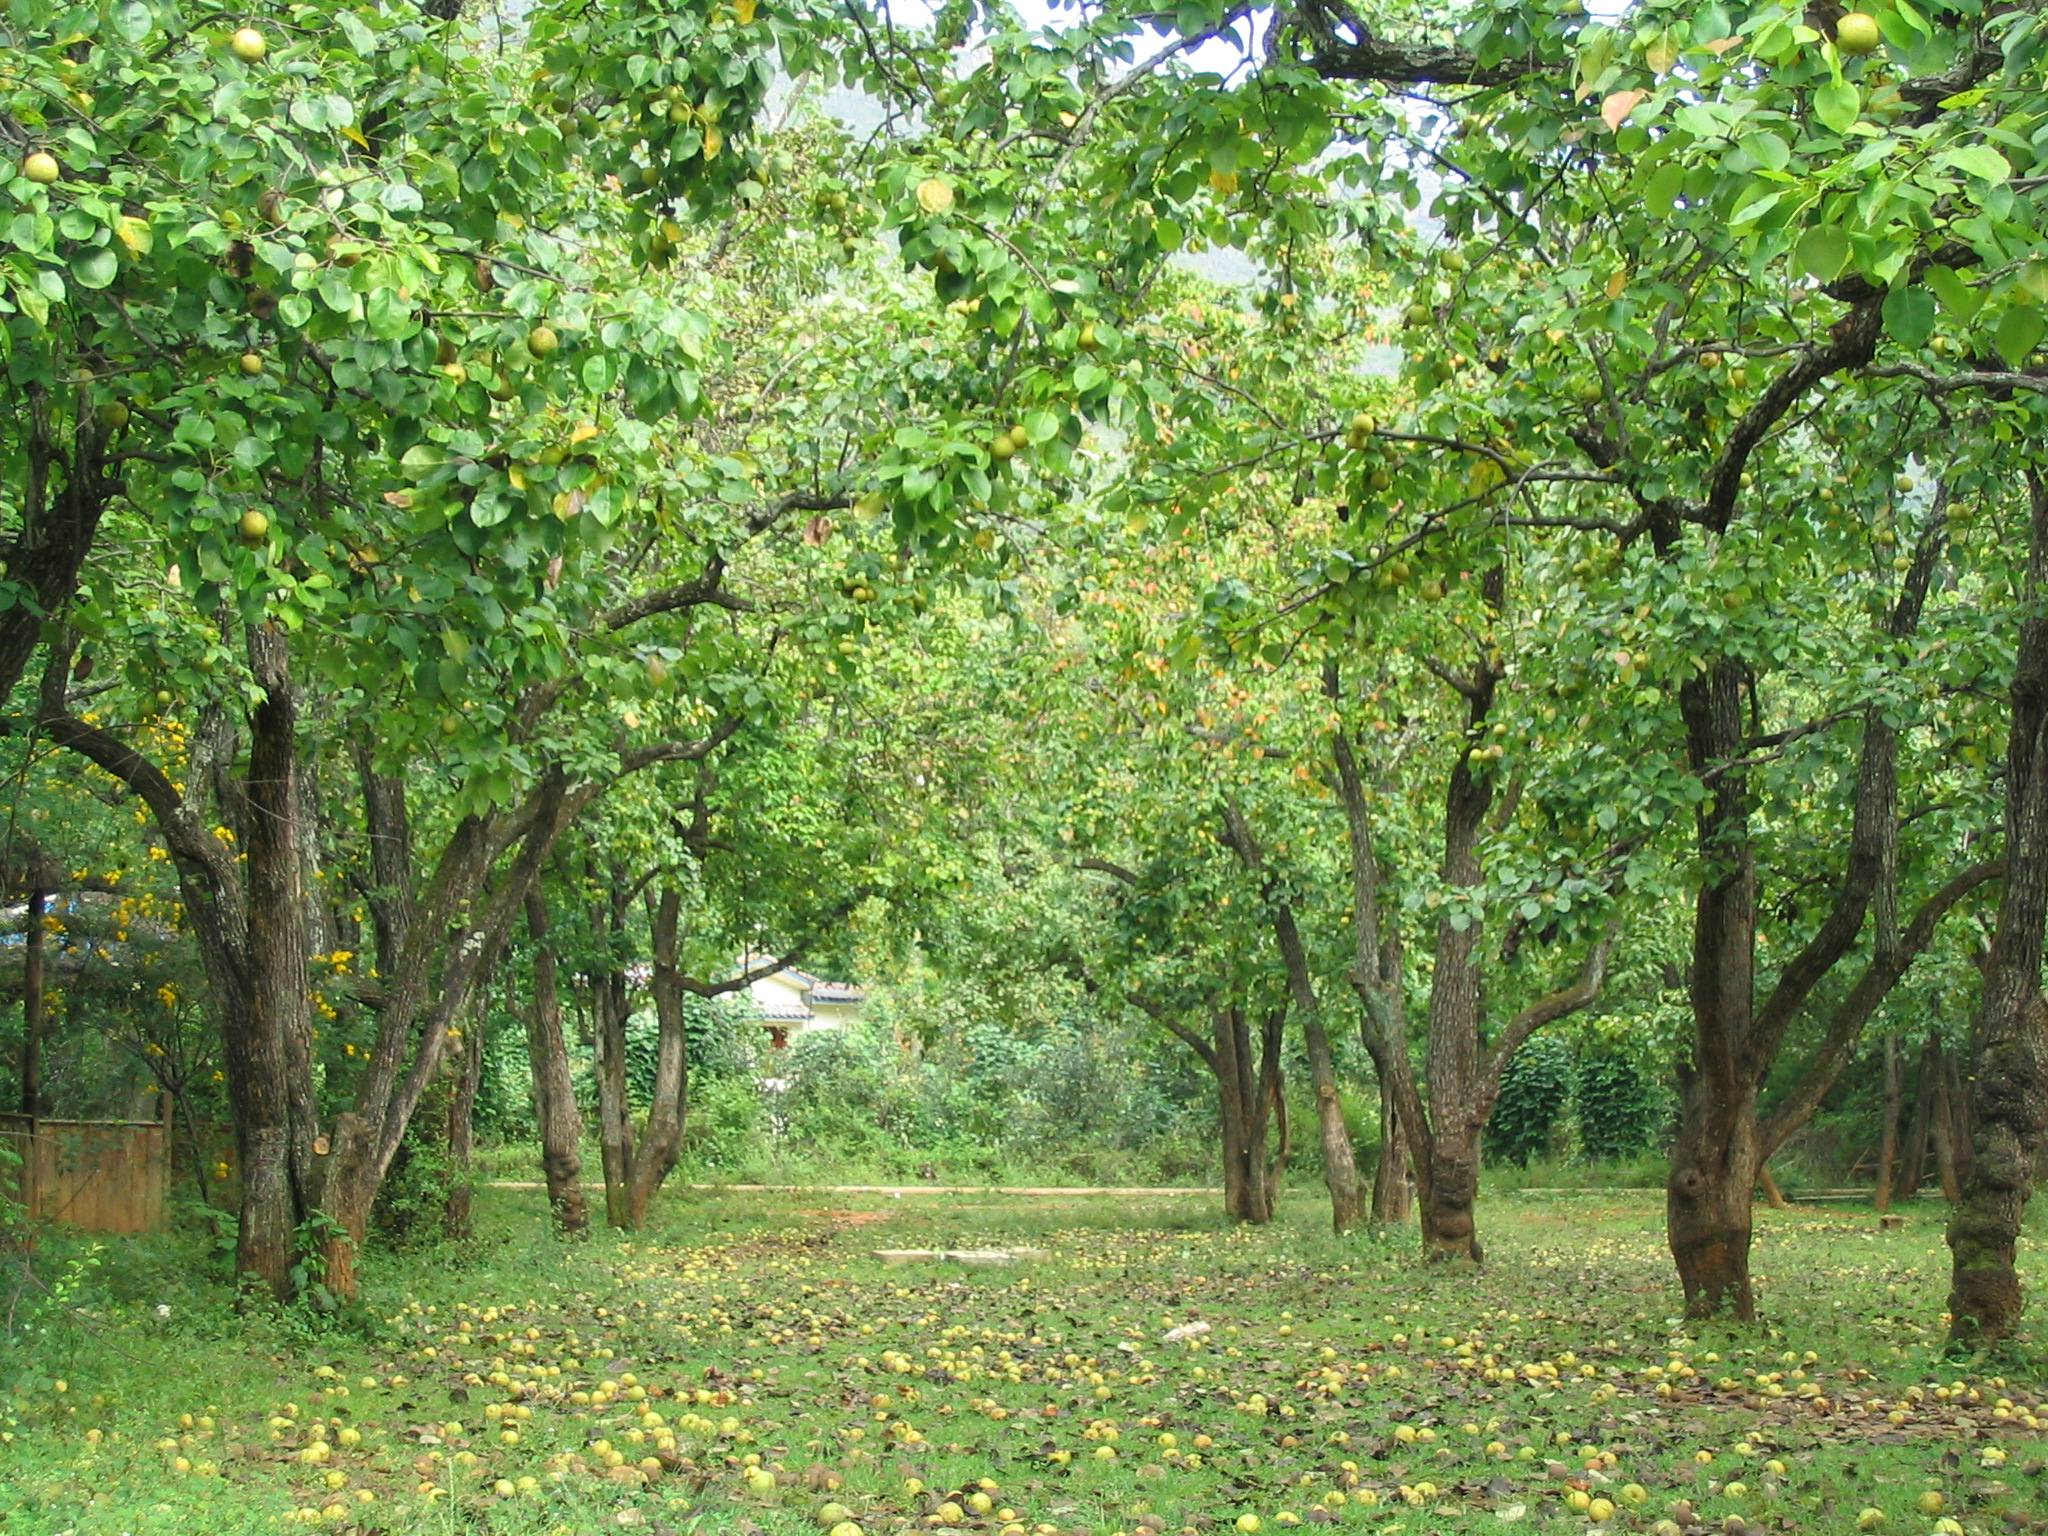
x=849 y=1218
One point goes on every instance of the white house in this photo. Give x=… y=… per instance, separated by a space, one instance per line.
x=790 y=1002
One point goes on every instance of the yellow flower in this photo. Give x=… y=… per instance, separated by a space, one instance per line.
x=168 y=995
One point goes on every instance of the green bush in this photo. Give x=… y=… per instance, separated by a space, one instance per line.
x=1619 y=1109
x=1535 y=1090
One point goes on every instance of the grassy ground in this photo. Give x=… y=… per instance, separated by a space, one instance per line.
x=747 y=1365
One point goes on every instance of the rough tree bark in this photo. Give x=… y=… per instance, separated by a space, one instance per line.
x=1340 y=1161
x=274 y=1025
x=2009 y=1036
x=609 y=1008
x=554 y=1094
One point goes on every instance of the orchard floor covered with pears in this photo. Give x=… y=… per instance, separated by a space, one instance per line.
x=749 y=1366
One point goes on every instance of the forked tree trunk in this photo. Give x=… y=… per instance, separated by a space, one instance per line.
x=2009 y=1041
x=1247 y=1083
x=1888 y=1134
x=554 y=1096
x=1340 y=1161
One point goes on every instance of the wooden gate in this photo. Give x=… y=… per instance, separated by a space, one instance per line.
x=102 y=1175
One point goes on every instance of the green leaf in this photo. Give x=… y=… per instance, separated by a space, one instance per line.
x=1838 y=104
x=2018 y=334
x=1089 y=376
x=1662 y=194
x=1822 y=252
x=1979 y=160
x=1955 y=293
x=390 y=317
x=96 y=268
x=134 y=20
x=1768 y=151
x=1909 y=316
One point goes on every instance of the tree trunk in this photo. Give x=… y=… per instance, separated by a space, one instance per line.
x=1945 y=1132
x=661 y=1139
x=554 y=1096
x=614 y=1114
x=1714 y=1161
x=33 y=947
x=262 y=1035
x=1340 y=1162
x=1708 y=1201
x=1392 y=1187
x=456 y=1223
x=1448 y=1229
x=1888 y=1134
x=1913 y=1169
x=1774 y=1197
x=1245 y=1090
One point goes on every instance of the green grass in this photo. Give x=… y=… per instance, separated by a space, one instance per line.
x=759 y=1326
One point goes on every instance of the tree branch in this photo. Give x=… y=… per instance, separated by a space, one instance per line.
x=1845 y=1026
x=1548 y=1010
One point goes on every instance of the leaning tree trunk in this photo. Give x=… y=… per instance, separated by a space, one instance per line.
x=2009 y=1044
x=554 y=1093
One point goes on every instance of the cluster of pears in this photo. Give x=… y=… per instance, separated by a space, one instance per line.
x=1007 y=445
x=1380 y=467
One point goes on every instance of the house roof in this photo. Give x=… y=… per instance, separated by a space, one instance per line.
x=814 y=989
x=784 y=1013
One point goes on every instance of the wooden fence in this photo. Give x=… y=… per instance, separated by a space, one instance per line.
x=102 y=1175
